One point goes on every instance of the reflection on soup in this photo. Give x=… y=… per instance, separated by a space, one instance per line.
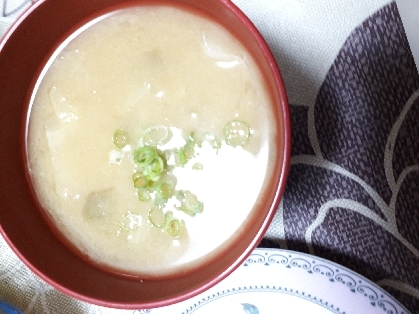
x=149 y=140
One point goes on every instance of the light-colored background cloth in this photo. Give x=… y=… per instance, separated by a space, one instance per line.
x=351 y=197
x=409 y=13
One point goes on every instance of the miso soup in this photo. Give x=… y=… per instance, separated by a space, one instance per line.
x=150 y=139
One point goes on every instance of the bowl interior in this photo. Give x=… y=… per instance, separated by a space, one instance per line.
x=23 y=53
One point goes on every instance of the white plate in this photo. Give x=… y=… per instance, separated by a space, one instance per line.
x=281 y=281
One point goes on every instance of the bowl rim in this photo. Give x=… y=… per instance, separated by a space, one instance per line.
x=285 y=154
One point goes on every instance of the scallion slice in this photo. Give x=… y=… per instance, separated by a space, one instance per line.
x=140 y=181
x=198 y=166
x=154 y=170
x=154 y=179
x=143 y=195
x=156 y=217
x=192 y=210
x=156 y=135
x=236 y=133
x=164 y=190
x=180 y=157
x=120 y=138
x=152 y=184
x=189 y=203
x=212 y=141
x=173 y=226
x=145 y=155
x=189 y=148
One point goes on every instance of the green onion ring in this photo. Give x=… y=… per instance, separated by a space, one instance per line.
x=120 y=138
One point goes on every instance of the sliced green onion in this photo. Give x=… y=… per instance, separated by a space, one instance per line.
x=120 y=138
x=130 y=222
x=143 y=195
x=191 y=136
x=212 y=141
x=189 y=203
x=193 y=210
x=199 y=208
x=164 y=190
x=184 y=154
x=145 y=155
x=160 y=202
x=152 y=184
x=167 y=217
x=173 y=226
x=236 y=133
x=189 y=152
x=180 y=157
x=156 y=217
x=155 y=181
x=189 y=148
x=140 y=181
x=197 y=166
x=156 y=135
x=169 y=178
x=154 y=169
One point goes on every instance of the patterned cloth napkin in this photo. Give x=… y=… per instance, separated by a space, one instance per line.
x=353 y=190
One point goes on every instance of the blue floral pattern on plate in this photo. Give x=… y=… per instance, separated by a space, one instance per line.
x=290 y=279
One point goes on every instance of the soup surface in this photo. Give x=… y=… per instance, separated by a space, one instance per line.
x=150 y=137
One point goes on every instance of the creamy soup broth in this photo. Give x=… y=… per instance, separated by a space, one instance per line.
x=168 y=74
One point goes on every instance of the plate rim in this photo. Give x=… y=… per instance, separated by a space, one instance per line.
x=251 y=260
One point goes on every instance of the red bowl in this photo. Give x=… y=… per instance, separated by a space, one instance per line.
x=23 y=52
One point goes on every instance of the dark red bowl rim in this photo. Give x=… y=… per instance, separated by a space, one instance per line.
x=283 y=173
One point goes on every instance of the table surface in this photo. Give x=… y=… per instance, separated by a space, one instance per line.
x=353 y=190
